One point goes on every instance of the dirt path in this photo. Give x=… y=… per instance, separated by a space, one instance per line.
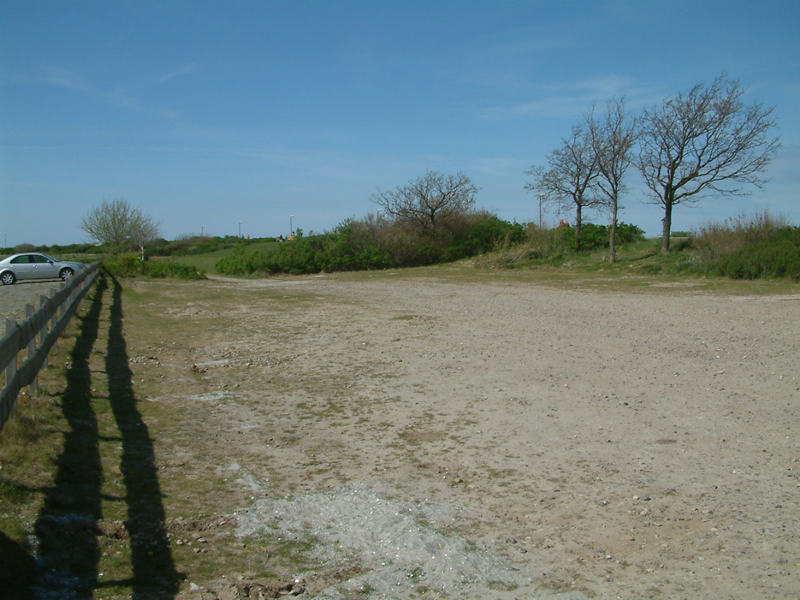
x=403 y=437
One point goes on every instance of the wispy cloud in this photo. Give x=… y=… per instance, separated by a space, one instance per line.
x=67 y=79
x=185 y=70
x=500 y=165
x=571 y=98
x=121 y=96
x=170 y=114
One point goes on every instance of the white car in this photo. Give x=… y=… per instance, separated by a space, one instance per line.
x=35 y=265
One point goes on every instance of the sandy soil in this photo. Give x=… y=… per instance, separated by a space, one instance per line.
x=504 y=440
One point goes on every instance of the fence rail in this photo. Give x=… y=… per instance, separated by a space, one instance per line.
x=47 y=324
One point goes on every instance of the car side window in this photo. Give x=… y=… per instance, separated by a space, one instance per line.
x=24 y=259
x=38 y=259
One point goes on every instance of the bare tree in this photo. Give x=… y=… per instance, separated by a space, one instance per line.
x=569 y=176
x=706 y=142
x=143 y=231
x=612 y=140
x=428 y=201
x=119 y=225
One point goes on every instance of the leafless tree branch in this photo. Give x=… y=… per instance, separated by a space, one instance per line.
x=705 y=142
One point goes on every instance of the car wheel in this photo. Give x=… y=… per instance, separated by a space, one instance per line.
x=8 y=278
x=66 y=273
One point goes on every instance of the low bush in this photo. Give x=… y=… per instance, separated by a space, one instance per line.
x=745 y=247
x=628 y=233
x=551 y=246
x=592 y=236
x=715 y=240
x=131 y=265
x=595 y=236
x=191 y=245
x=335 y=251
x=377 y=243
x=777 y=254
x=124 y=265
x=482 y=233
x=161 y=270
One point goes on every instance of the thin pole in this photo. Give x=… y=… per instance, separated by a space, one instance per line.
x=540 y=210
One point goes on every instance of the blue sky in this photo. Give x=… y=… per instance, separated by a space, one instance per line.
x=205 y=114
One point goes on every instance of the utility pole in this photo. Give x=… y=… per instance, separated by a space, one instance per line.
x=541 y=197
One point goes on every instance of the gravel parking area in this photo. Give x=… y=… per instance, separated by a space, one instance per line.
x=502 y=440
x=432 y=435
x=13 y=298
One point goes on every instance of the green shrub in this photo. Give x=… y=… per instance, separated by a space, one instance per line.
x=377 y=243
x=747 y=247
x=131 y=265
x=628 y=233
x=482 y=233
x=124 y=265
x=775 y=255
x=595 y=236
x=551 y=246
x=715 y=240
x=191 y=245
x=161 y=270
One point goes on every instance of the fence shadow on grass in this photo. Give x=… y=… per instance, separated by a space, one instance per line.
x=70 y=523
x=154 y=571
x=68 y=549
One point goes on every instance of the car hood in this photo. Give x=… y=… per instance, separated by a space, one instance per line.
x=68 y=263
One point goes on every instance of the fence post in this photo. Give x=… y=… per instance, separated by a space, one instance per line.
x=43 y=332
x=11 y=368
x=29 y=310
x=54 y=318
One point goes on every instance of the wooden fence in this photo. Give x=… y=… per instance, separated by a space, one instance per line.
x=44 y=325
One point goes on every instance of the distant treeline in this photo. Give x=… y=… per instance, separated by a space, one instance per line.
x=185 y=245
x=762 y=246
x=55 y=249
